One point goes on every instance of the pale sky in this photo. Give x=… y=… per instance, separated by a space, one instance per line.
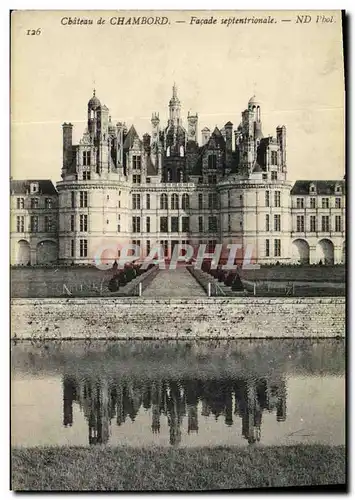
x=295 y=70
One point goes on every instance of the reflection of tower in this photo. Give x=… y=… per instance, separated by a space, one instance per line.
x=229 y=406
x=192 y=419
x=68 y=397
x=174 y=413
x=156 y=406
x=99 y=420
x=191 y=397
x=251 y=413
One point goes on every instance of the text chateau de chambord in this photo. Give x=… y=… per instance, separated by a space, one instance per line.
x=167 y=188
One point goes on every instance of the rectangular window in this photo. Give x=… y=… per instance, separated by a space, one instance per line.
x=72 y=223
x=313 y=202
x=136 y=162
x=20 y=224
x=48 y=203
x=136 y=201
x=136 y=179
x=175 y=224
x=267 y=248
x=164 y=224
x=212 y=200
x=86 y=175
x=200 y=224
x=312 y=224
x=212 y=161
x=277 y=198
x=273 y=158
x=273 y=175
x=267 y=198
x=71 y=248
x=212 y=179
x=300 y=223
x=338 y=224
x=277 y=222
x=136 y=224
x=148 y=247
x=165 y=245
x=34 y=202
x=48 y=224
x=148 y=201
x=83 y=248
x=325 y=223
x=277 y=248
x=229 y=199
x=200 y=201
x=148 y=180
x=118 y=227
x=86 y=158
x=300 y=202
x=212 y=224
x=267 y=222
x=325 y=202
x=83 y=199
x=83 y=223
x=211 y=246
x=337 y=203
x=73 y=199
x=20 y=202
x=34 y=224
x=185 y=221
x=229 y=224
x=147 y=224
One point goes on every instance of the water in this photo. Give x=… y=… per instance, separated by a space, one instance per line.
x=178 y=393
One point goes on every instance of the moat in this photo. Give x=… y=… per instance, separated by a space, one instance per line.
x=204 y=393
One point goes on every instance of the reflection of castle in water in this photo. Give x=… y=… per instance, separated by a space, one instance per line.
x=101 y=401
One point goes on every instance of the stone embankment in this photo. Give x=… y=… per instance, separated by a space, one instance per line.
x=178 y=318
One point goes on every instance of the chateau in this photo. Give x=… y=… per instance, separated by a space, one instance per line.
x=168 y=187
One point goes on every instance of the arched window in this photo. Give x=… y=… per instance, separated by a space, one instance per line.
x=185 y=201
x=168 y=151
x=164 y=201
x=174 y=201
x=181 y=150
x=258 y=113
x=169 y=176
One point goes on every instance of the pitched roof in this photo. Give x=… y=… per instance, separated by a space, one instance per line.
x=151 y=169
x=216 y=139
x=45 y=186
x=130 y=138
x=322 y=187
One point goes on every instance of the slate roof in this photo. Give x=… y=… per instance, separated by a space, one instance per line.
x=130 y=137
x=322 y=187
x=46 y=186
x=151 y=169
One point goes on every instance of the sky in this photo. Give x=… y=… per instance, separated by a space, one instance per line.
x=294 y=69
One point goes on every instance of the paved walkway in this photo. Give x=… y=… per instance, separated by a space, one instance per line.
x=174 y=283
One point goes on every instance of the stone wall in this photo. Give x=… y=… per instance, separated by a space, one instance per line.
x=126 y=318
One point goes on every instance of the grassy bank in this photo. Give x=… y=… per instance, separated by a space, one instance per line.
x=176 y=469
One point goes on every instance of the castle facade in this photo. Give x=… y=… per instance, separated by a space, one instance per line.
x=168 y=188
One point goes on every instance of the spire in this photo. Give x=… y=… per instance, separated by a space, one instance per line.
x=175 y=90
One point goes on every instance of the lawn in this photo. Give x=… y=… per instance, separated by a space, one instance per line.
x=147 y=469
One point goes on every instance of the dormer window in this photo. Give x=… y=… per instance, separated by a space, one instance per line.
x=273 y=157
x=34 y=188
x=338 y=188
x=312 y=188
x=86 y=158
x=212 y=161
